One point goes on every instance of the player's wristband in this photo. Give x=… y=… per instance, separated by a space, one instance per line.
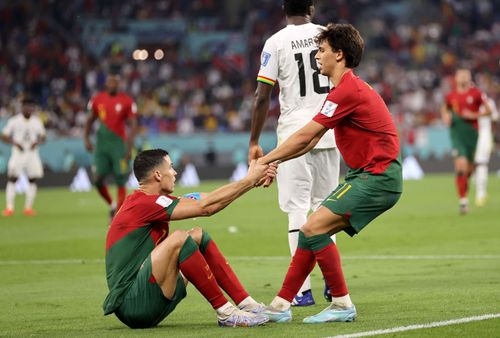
x=193 y=196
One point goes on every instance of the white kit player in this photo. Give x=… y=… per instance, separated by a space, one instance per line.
x=304 y=182
x=25 y=132
x=483 y=150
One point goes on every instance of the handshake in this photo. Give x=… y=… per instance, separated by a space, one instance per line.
x=261 y=174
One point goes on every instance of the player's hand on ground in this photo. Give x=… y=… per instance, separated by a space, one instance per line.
x=89 y=146
x=254 y=152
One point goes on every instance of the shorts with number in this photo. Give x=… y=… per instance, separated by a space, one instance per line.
x=144 y=304
x=360 y=203
x=27 y=161
x=304 y=182
x=110 y=160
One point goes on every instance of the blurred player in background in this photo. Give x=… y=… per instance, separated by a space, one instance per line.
x=144 y=262
x=304 y=182
x=25 y=132
x=113 y=147
x=368 y=141
x=461 y=111
x=486 y=124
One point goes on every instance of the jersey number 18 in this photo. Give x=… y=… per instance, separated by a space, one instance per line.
x=315 y=76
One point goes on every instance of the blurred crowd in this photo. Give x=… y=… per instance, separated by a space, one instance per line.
x=412 y=49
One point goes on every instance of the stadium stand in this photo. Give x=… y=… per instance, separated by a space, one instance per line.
x=61 y=51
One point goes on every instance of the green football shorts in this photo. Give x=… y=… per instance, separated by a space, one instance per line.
x=464 y=140
x=144 y=304
x=359 y=203
x=111 y=161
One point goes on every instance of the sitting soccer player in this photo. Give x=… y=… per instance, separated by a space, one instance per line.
x=144 y=262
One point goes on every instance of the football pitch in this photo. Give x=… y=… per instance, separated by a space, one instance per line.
x=417 y=265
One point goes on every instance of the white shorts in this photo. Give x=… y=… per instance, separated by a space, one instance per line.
x=28 y=161
x=483 y=148
x=304 y=182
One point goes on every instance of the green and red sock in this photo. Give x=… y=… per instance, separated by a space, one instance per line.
x=221 y=269
x=196 y=269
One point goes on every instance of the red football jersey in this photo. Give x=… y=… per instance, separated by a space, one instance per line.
x=364 y=130
x=472 y=99
x=113 y=110
x=141 y=210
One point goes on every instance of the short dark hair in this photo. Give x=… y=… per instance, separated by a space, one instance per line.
x=146 y=161
x=296 y=7
x=346 y=38
x=28 y=99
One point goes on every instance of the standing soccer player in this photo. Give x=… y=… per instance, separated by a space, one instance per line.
x=25 y=132
x=368 y=141
x=144 y=261
x=484 y=149
x=461 y=111
x=304 y=182
x=113 y=147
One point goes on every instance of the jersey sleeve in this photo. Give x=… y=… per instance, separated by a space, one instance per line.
x=337 y=106
x=268 y=72
x=9 y=128
x=155 y=208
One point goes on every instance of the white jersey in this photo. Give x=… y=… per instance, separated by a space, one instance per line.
x=485 y=138
x=288 y=58
x=484 y=122
x=24 y=131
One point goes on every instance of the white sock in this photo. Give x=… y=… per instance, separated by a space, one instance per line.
x=247 y=302
x=481 y=180
x=344 y=301
x=10 y=192
x=30 y=196
x=295 y=221
x=280 y=304
x=224 y=310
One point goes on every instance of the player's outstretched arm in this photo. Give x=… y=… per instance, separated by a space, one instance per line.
x=260 y=108
x=218 y=199
x=302 y=141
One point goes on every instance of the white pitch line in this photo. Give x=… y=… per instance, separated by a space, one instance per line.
x=264 y=258
x=419 y=326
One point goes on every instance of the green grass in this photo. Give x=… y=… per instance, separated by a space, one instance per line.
x=52 y=280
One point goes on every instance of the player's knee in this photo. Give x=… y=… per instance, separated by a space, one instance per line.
x=196 y=233
x=307 y=229
x=12 y=179
x=178 y=238
x=32 y=180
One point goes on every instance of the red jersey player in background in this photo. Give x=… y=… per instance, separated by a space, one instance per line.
x=113 y=146
x=461 y=111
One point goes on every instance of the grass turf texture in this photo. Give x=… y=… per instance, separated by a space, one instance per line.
x=53 y=283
